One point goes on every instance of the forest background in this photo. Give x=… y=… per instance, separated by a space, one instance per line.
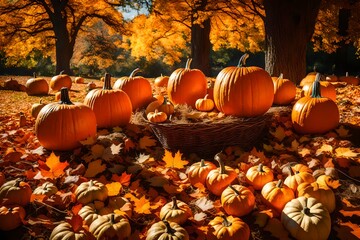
x=113 y=36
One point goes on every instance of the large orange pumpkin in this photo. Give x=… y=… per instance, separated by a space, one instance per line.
x=37 y=86
x=60 y=81
x=111 y=107
x=284 y=90
x=243 y=91
x=186 y=85
x=62 y=125
x=315 y=114
x=137 y=88
x=326 y=88
x=349 y=79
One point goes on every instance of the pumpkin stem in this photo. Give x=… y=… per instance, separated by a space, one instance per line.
x=260 y=168
x=112 y=218
x=202 y=163
x=346 y=74
x=174 y=201
x=242 y=61
x=169 y=229
x=291 y=172
x=234 y=189
x=34 y=74
x=281 y=76
x=91 y=183
x=318 y=77
x=107 y=82
x=306 y=211
x=279 y=184
x=206 y=96
x=218 y=157
x=17 y=182
x=62 y=72
x=133 y=73
x=64 y=96
x=225 y=222
x=188 y=63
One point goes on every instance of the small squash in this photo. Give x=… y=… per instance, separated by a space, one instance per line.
x=137 y=88
x=186 y=85
x=62 y=125
x=156 y=116
x=67 y=231
x=79 y=80
x=220 y=178
x=284 y=90
x=237 y=200
x=111 y=107
x=59 y=81
x=315 y=114
x=167 y=107
x=295 y=178
x=175 y=211
x=111 y=226
x=258 y=176
x=230 y=228
x=92 y=211
x=89 y=191
x=165 y=230
x=321 y=193
x=11 y=217
x=161 y=81
x=91 y=85
x=36 y=107
x=275 y=194
x=204 y=104
x=306 y=218
x=47 y=188
x=198 y=171
x=15 y=192
x=37 y=86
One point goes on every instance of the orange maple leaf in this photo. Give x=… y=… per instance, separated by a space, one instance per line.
x=124 y=179
x=56 y=168
x=129 y=144
x=142 y=206
x=76 y=222
x=114 y=188
x=174 y=162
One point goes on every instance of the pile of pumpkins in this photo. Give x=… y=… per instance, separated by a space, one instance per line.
x=303 y=203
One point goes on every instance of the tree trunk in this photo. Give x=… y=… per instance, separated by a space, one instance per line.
x=341 y=61
x=289 y=26
x=200 y=44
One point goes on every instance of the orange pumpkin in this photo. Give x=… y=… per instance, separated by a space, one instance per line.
x=166 y=107
x=284 y=90
x=243 y=91
x=186 y=85
x=230 y=228
x=315 y=114
x=310 y=77
x=59 y=81
x=220 y=178
x=204 y=104
x=258 y=176
x=137 y=88
x=198 y=171
x=295 y=178
x=36 y=107
x=326 y=88
x=275 y=194
x=156 y=116
x=349 y=79
x=161 y=81
x=332 y=78
x=11 y=217
x=111 y=107
x=2 y=178
x=37 y=86
x=61 y=126
x=79 y=80
x=15 y=192
x=175 y=211
x=237 y=200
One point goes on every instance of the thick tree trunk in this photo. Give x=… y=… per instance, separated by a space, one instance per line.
x=289 y=26
x=200 y=44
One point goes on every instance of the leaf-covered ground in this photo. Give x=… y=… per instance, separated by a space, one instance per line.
x=132 y=164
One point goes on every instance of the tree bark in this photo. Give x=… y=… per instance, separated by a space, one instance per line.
x=200 y=43
x=289 y=26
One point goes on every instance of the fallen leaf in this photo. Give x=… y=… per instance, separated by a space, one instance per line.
x=347 y=231
x=200 y=217
x=262 y=217
x=89 y=141
x=348 y=209
x=324 y=148
x=345 y=152
x=174 y=162
x=56 y=168
x=204 y=204
x=142 y=206
x=146 y=142
x=94 y=168
x=97 y=150
x=124 y=178
x=275 y=227
x=114 y=188
x=76 y=222
x=303 y=152
x=279 y=133
x=342 y=131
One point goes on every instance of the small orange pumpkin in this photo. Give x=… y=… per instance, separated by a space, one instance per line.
x=276 y=195
x=11 y=217
x=79 y=80
x=284 y=90
x=161 y=81
x=326 y=88
x=237 y=200
x=295 y=178
x=59 y=81
x=198 y=171
x=156 y=116
x=230 y=228
x=37 y=86
x=166 y=107
x=36 y=107
x=258 y=176
x=204 y=104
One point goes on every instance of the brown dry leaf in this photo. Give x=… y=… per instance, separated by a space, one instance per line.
x=262 y=217
x=129 y=144
x=342 y=131
x=279 y=133
x=348 y=231
x=174 y=162
x=94 y=168
x=276 y=229
x=89 y=141
x=114 y=188
x=146 y=142
x=354 y=171
x=97 y=150
x=204 y=204
x=294 y=145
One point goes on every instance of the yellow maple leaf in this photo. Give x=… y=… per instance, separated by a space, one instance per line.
x=142 y=206
x=174 y=162
x=345 y=152
x=279 y=133
x=294 y=145
x=94 y=168
x=56 y=168
x=146 y=142
x=89 y=141
x=304 y=152
x=324 y=148
x=114 y=188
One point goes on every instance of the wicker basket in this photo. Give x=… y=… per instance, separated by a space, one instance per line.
x=207 y=138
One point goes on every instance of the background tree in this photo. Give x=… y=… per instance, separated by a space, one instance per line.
x=52 y=23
